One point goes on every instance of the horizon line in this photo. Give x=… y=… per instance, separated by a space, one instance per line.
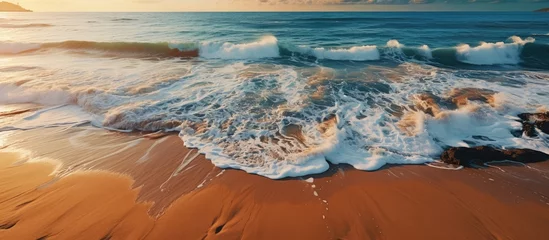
x=278 y=11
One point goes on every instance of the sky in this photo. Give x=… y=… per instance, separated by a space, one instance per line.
x=280 y=5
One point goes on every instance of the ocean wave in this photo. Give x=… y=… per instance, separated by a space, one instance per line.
x=268 y=123
x=493 y=53
x=12 y=19
x=15 y=48
x=134 y=48
x=124 y=19
x=14 y=94
x=425 y=51
x=359 y=53
x=266 y=47
x=146 y=49
x=350 y=19
x=394 y=44
x=516 y=51
x=30 y=25
x=422 y=51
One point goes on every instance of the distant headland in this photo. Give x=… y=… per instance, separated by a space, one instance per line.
x=10 y=7
x=542 y=10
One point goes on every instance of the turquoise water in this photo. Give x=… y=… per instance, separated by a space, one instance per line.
x=256 y=91
x=297 y=32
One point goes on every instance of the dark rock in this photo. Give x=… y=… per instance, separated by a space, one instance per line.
x=531 y=121
x=480 y=155
x=534 y=116
x=543 y=126
x=529 y=129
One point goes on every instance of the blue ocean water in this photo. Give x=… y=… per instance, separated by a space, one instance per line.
x=438 y=30
x=284 y=94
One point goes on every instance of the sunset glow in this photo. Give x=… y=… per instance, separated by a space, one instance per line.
x=278 y=5
x=274 y=119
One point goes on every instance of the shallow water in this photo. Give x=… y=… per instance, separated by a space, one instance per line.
x=281 y=94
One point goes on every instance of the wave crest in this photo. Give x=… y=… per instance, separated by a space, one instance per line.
x=147 y=49
x=516 y=51
x=13 y=94
x=30 y=25
x=493 y=53
x=359 y=53
x=266 y=47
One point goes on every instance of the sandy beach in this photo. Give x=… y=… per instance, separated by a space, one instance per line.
x=274 y=119
x=83 y=182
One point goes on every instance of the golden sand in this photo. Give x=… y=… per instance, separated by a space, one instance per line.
x=105 y=185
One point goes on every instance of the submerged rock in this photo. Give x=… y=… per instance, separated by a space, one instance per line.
x=480 y=155
x=427 y=103
x=531 y=121
x=461 y=96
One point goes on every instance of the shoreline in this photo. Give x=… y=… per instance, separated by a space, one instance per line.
x=130 y=187
x=274 y=126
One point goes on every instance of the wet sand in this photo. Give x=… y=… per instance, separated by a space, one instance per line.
x=89 y=183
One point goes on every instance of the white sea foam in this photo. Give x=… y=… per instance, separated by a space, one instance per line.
x=365 y=136
x=493 y=53
x=425 y=51
x=358 y=53
x=395 y=49
x=456 y=127
x=54 y=116
x=236 y=114
x=10 y=94
x=394 y=44
x=266 y=47
x=518 y=40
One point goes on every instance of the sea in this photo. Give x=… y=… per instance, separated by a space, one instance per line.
x=285 y=94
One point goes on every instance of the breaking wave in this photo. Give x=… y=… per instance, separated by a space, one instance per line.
x=516 y=51
x=266 y=47
x=361 y=53
x=270 y=123
x=493 y=53
x=13 y=94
